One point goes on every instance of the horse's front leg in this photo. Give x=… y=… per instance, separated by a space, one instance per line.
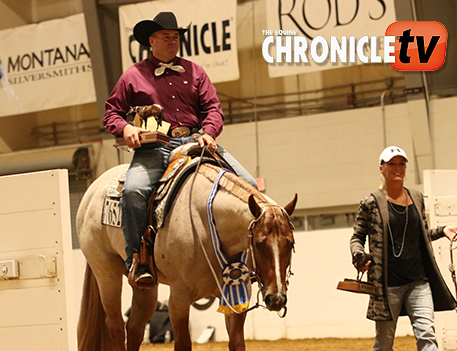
x=143 y=306
x=179 y=316
x=235 y=329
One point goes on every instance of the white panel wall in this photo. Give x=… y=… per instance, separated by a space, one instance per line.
x=440 y=189
x=37 y=308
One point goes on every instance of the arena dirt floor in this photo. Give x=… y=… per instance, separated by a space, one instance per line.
x=406 y=343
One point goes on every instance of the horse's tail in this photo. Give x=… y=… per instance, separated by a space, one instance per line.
x=93 y=334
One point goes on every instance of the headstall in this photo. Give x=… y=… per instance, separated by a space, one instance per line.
x=254 y=273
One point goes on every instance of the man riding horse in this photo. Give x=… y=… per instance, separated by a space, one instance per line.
x=191 y=106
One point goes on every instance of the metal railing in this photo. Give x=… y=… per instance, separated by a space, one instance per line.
x=64 y=133
x=239 y=110
x=336 y=98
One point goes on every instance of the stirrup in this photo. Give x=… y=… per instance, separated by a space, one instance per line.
x=133 y=269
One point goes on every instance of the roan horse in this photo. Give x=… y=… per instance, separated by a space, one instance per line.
x=180 y=259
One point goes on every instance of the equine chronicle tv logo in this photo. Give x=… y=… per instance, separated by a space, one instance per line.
x=406 y=46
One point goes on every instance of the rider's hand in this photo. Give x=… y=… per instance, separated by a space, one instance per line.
x=206 y=139
x=131 y=135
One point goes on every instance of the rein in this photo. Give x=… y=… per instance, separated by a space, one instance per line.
x=452 y=247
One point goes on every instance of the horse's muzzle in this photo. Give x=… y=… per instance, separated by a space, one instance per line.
x=275 y=302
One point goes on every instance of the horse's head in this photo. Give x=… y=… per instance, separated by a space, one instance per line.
x=272 y=243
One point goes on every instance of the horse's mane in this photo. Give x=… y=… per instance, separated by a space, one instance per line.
x=232 y=183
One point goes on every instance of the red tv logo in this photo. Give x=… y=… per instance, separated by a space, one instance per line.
x=419 y=46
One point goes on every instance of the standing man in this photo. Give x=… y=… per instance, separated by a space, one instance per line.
x=190 y=105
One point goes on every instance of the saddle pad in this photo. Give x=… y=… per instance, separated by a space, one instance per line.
x=169 y=189
x=181 y=162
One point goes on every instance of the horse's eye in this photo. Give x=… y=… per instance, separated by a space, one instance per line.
x=259 y=245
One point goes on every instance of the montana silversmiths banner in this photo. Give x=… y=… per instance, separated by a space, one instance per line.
x=45 y=66
x=210 y=41
x=328 y=34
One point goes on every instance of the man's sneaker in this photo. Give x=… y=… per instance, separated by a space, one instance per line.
x=143 y=276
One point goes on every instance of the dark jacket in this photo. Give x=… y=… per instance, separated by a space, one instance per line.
x=371 y=221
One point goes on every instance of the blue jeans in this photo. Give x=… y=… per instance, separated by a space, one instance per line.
x=147 y=166
x=417 y=299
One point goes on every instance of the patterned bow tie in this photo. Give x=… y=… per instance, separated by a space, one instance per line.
x=159 y=70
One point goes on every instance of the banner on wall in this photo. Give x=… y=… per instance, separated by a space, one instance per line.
x=210 y=41
x=310 y=27
x=45 y=66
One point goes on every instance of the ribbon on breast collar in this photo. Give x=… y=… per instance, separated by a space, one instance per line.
x=235 y=275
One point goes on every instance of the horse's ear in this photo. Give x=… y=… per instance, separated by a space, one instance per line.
x=290 y=207
x=254 y=207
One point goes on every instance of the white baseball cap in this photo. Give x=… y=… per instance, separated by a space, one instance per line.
x=391 y=151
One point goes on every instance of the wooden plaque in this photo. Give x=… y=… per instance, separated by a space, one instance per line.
x=358 y=286
x=145 y=138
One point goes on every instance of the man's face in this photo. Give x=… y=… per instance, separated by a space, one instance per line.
x=165 y=44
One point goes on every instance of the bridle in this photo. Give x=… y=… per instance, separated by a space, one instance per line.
x=254 y=274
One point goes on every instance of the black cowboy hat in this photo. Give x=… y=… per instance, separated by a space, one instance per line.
x=164 y=20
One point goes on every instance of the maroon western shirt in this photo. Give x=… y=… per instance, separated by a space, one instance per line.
x=189 y=98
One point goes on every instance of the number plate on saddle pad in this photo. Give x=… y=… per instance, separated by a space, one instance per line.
x=111 y=212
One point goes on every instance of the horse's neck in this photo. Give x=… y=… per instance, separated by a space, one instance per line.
x=231 y=183
x=231 y=209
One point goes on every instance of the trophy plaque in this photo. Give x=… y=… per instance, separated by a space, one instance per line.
x=138 y=116
x=357 y=285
